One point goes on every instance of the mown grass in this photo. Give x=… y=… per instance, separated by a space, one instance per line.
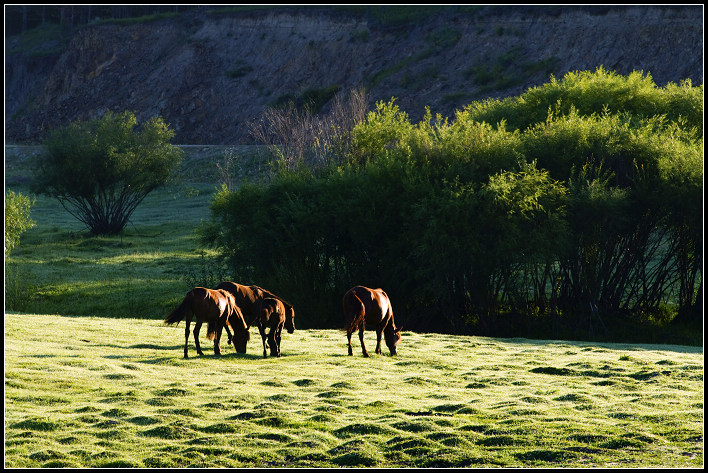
x=112 y=392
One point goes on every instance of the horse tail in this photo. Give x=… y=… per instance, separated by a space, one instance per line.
x=211 y=330
x=181 y=311
x=353 y=311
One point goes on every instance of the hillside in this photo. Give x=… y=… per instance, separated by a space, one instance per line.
x=209 y=73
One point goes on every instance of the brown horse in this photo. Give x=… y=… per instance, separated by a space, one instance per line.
x=219 y=309
x=249 y=299
x=370 y=306
x=272 y=316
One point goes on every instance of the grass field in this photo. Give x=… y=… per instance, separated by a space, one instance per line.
x=110 y=392
x=101 y=382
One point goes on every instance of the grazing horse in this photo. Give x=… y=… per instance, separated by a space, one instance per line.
x=370 y=306
x=219 y=309
x=249 y=299
x=272 y=316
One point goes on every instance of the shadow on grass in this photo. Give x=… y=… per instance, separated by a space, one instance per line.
x=599 y=346
x=178 y=350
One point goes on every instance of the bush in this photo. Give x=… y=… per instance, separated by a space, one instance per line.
x=17 y=221
x=625 y=211
x=297 y=136
x=17 y=218
x=586 y=213
x=596 y=92
x=100 y=170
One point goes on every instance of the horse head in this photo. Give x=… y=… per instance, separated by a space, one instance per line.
x=392 y=338
x=290 y=319
x=238 y=323
x=240 y=340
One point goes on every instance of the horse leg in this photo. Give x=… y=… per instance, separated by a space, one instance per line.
x=261 y=329
x=230 y=337
x=349 y=341
x=186 y=335
x=197 y=326
x=217 y=340
x=277 y=338
x=361 y=339
x=271 y=342
x=274 y=341
x=378 y=340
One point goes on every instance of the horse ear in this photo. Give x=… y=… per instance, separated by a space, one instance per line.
x=398 y=330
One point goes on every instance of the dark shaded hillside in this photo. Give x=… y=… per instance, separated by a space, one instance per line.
x=210 y=72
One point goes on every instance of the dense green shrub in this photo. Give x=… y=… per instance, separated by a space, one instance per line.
x=588 y=208
x=17 y=217
x=596 y=92
x=624 y=211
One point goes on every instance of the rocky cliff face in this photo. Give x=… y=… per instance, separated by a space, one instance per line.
x=209 y=75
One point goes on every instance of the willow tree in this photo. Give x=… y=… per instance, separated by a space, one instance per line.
x=100 y=170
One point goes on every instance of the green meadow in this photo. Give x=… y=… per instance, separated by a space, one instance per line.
x=116 y=392
x=93 y=378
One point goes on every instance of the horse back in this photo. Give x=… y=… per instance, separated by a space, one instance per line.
x=207 y=301
x=377 y=306
x=246 y=298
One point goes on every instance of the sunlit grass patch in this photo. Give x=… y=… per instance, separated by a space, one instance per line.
x=118 y=392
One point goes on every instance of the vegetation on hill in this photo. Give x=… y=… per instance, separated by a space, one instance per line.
x=22 y=18
x=204 y=70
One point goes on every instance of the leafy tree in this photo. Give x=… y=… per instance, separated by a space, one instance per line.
x=17 y=218
x=100 y=170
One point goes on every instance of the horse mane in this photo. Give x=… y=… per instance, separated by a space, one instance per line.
x=238 y=313
x=211 y=324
